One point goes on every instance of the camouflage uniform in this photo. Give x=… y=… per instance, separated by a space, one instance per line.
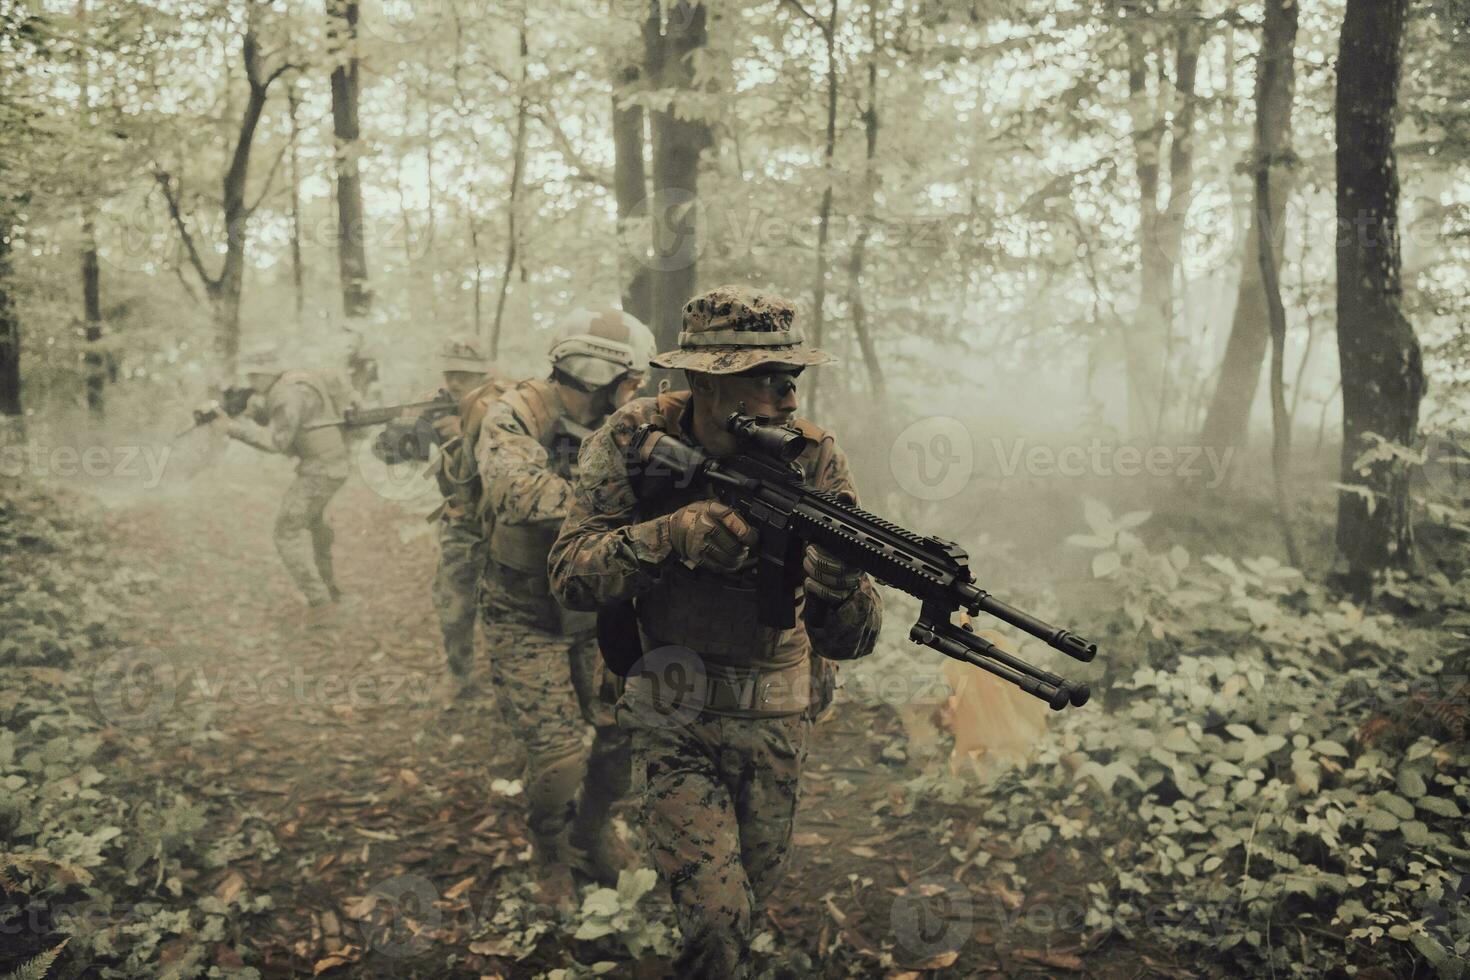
x=720 y=783
x=276 y=423
x=547 y=673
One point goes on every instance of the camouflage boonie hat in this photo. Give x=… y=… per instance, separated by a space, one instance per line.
x=735 y=328
x=262 y=359
x=462 y=353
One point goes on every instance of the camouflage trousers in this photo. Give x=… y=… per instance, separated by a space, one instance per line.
x=456 y=584
x=303 y=537
x=719 y=799
x=550 y=688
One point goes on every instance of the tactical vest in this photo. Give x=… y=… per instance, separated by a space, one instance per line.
x=327 y=445
x=459 y=477
x=712 y=614
x=525 y=547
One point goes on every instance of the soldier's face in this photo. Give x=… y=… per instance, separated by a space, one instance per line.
x=459 y=383
x=768 y=392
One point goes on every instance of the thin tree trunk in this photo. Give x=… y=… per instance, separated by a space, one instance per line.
x=1280 y=420
x=1381 y=363
x=94 y=366
x=678 y=143
x=1228 y=419
x=13 y=429
x=1161 y=230
x=865 y=222
x=824 y=210
x=630 y=189
x=351 y=245
x=224 y=289
x=518 y=166
x=298 y=267
x=478 y=299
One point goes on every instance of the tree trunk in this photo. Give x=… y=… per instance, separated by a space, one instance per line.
x=298 y=267
x=351 y=247
x=824 y=210
x=518 y=166
x=1381 y=365
x=224 y=290
x=1149 y=345
x=1228 y=420
x=13 y=427
x=865 y=225
x=678 y=142
x=94 y=367
x=630 y=189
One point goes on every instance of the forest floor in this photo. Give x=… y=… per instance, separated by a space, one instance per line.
x=388 y=832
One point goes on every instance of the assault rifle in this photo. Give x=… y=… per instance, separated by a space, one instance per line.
x=765 y=486
x=437 y=407
x=231 y=402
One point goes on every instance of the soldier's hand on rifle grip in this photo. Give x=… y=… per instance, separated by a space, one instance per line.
x=827 y=577
x=710 y=534
x=448 y=427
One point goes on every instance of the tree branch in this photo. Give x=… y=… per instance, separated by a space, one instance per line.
x=165 y=182
x=270 y=178
x=796 y=5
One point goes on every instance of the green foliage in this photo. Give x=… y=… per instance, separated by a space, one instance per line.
x=1247 y=798
x=617 y=912
x=98 y=854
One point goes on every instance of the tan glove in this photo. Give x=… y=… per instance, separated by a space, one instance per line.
x=709 y=533
x=827 y=577
x=448 y=427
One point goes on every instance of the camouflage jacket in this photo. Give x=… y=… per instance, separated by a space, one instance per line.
x=526 y=493
x=277 y=423
x=614 y=547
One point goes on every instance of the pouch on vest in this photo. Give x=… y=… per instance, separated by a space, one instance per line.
x=617 y=637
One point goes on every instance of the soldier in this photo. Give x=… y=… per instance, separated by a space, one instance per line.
x=284 y=404
x=547 y=675
x=467 y=377
x=720 y=778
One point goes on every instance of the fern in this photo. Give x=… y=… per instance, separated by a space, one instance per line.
x=37 y=967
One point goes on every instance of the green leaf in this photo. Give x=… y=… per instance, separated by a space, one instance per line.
x=1380 y=820
x=1133 y=519
x=1100 y=519
x=1105 y=563
x=1439 y=806
x=1088 y=541
x=1328 y=747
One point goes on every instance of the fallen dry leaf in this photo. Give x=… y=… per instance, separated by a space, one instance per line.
x=1062 y=961
x=460 y=888
x=809 y=839
x=233 y=884
x=862 y=851
x=342 y=957
x=940 y=962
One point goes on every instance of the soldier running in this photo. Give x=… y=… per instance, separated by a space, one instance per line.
x=284 y=403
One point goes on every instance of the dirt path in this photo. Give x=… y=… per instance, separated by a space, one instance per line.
x=388 y=834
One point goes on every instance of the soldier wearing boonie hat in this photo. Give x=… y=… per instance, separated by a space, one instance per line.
x=719 y=788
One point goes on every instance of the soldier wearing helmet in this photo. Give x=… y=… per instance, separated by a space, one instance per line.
x=275 y=421
x=719 y=788
x=547 y=675
x=467 y=378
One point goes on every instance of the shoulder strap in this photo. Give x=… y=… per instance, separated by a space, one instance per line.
x=825 y=442
x=316 y=384
x=536 y=404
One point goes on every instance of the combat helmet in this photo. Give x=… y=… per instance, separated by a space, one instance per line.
x=462 y=353
x=262 y=359
x=597 y=347
x=735 y=328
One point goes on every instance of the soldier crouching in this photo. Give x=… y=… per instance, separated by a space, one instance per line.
x=720 y=779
